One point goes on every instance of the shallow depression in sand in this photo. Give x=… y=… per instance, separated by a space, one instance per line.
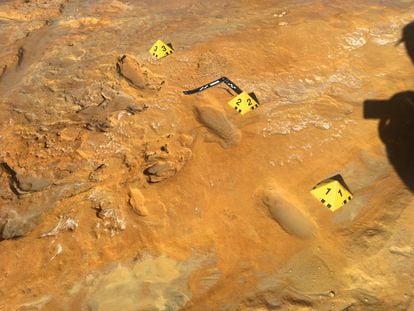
x=290 y=217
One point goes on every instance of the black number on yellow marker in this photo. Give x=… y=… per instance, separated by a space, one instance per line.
x=164 y=48
x=154 y=52
x=249 y=101
x=329 y=189
x=238 y=102
x=339 y=191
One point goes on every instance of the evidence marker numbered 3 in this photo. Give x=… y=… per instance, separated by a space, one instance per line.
x=161 y=49
x=242 y=103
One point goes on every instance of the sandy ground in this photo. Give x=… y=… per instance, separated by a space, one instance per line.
x=119 y=192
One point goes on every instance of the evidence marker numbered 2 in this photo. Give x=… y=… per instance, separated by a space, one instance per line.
x=161 y=49
x=242 y=103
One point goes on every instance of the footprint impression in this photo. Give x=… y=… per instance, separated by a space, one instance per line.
x=137 y=75
x=290 y=217
x=216 y=121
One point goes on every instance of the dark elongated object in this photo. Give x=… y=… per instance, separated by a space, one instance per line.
x=226 y=80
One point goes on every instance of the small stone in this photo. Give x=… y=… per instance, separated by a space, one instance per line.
x=58 y=250
x=164 y=148
x=137 y=201
x=186 y=140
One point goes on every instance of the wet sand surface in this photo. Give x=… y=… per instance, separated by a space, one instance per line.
x=117 y=191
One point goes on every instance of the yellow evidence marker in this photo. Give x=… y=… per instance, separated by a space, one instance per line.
x=243 y=103
x=161 y=49
x=332 y=192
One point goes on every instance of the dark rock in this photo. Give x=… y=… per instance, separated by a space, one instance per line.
x=99 y=126
x=31 y=183
x=160 y=170
x=14 y=225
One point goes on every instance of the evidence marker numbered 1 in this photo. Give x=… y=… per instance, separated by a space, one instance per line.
x=161 y=49
x=332 y=192
x=242 y=103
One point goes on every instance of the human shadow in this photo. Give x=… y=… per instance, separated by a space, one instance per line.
x=396 y=121
x=396 y=130
x=407 y=38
